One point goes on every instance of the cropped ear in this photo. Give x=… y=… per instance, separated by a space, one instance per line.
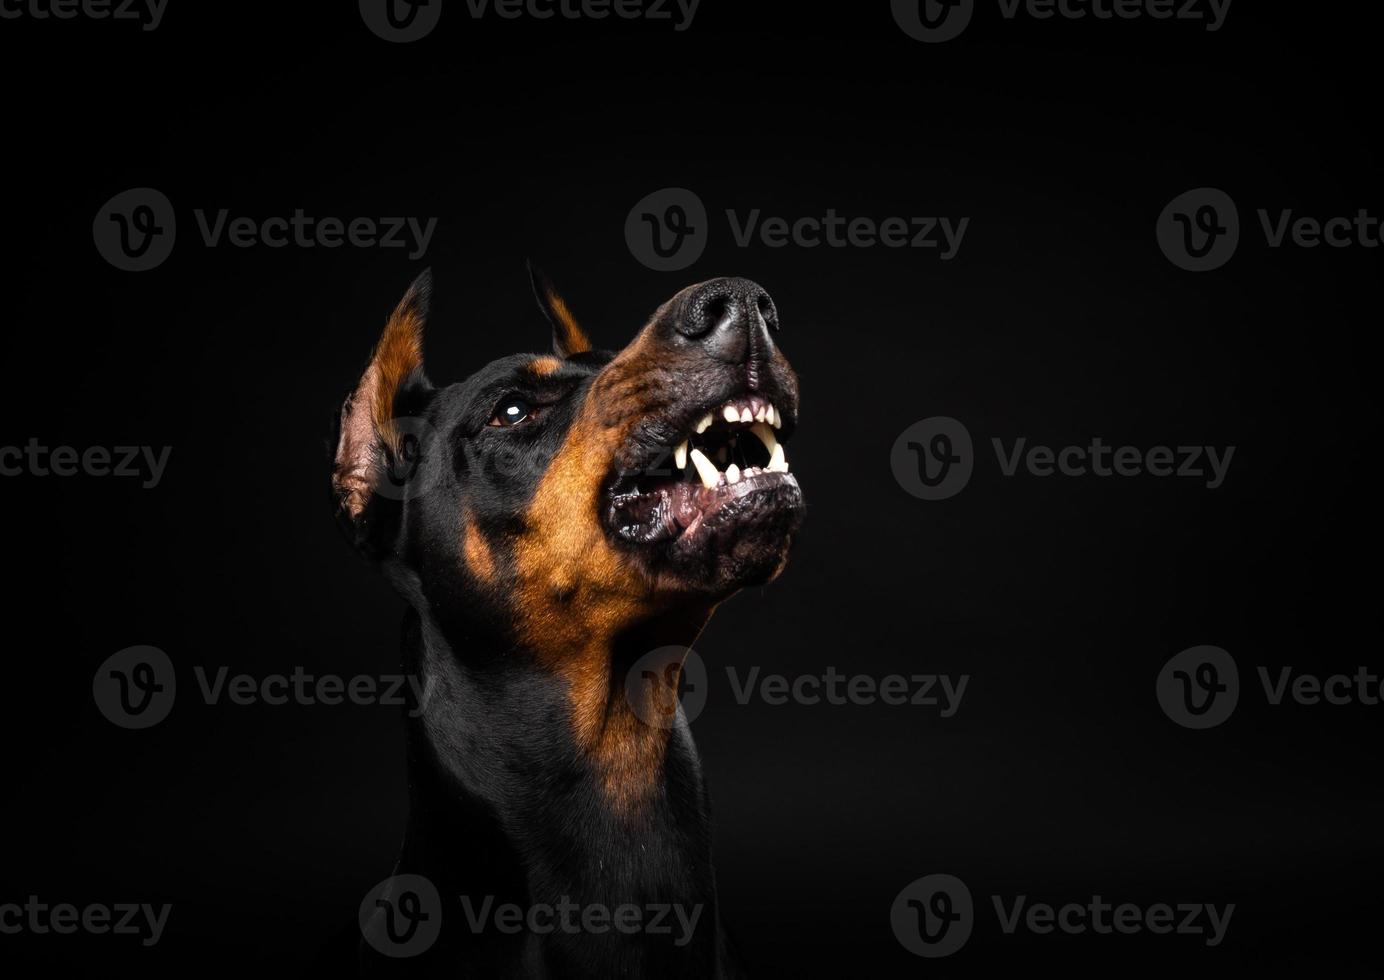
x=368 y=437
x=568 y=336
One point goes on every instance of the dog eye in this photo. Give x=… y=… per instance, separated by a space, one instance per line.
x=512 y=411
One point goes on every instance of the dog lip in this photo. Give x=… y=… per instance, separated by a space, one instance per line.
x=677 y=496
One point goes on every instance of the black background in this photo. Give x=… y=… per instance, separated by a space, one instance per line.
x=1059 y=320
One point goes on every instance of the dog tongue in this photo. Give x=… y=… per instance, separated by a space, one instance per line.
x=687 y=501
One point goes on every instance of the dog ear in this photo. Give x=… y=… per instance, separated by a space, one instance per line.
x=568 y=336
x=368 y=436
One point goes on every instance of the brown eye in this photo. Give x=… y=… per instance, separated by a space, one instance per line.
x=511 y=411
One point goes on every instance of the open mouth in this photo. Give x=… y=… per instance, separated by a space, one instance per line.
x=727 y=475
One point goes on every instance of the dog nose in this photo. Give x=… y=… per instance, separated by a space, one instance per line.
x=732 y=319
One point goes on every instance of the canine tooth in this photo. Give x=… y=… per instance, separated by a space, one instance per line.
x=766 y=436
x=705 y=468
x=773 y=416
x=732 y=473
x=731 y=415
x=704 y=424
x=680 y=455
x=778 y=462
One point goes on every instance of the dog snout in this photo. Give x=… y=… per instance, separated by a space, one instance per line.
x=732 y=319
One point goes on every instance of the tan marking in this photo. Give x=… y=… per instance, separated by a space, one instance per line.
x=545 y=366
x=568 y=336
x=398 y=354
x=480 y=561
x=577 y=595
x=368 y=415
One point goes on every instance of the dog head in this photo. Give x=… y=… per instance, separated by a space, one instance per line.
x=569 y=496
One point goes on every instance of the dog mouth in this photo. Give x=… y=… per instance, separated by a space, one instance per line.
x=725 y=478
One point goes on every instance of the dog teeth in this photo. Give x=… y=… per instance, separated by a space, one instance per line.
x=759 y=413
x=706 y=469
x=680 y=455
x=732 y=473
x=766 y=436
x=730 y=414
x=772 y=415
x=746 y=416
x=778 y=462
x=705 y=423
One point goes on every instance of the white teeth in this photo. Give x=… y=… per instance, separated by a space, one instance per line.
x=759 y=414
x=705 y=468
x=680 y=455
x=766 y=436
x=778 y=462
x=731 y=415
x=746 y=416
x=732 y=473
x=704 y=424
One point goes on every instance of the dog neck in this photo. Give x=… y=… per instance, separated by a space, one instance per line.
x=536 y=785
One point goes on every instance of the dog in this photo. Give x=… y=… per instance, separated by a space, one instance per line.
x=562 y=527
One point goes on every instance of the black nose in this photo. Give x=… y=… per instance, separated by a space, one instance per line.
x=732 y=319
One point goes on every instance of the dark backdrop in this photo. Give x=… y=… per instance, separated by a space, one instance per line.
x=1060 y=777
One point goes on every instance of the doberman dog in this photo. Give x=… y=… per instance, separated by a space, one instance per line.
x=553 y=522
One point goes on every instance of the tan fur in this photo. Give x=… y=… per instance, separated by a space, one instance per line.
x=545 y=366
x=480 y=560
x=577 y=595
x=368 y=416
x=568 y=338
x=398 y=354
